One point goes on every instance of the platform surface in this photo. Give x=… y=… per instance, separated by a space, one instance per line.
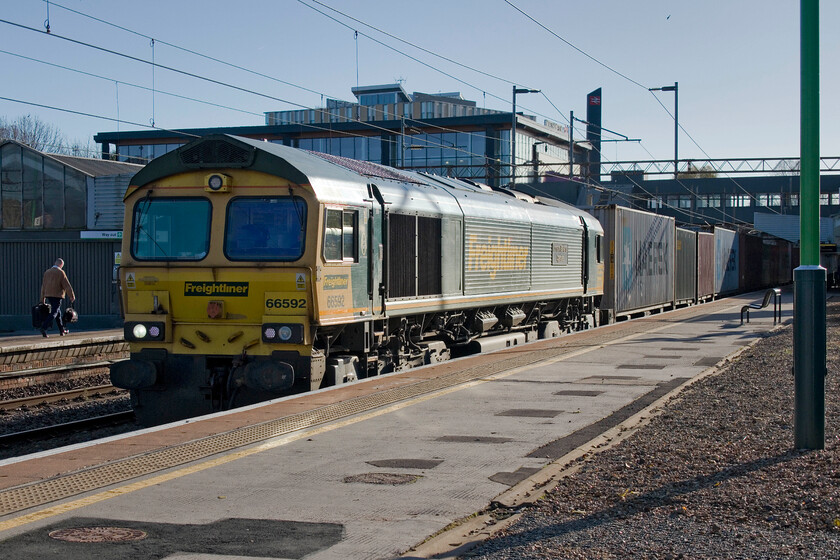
x=350 y=473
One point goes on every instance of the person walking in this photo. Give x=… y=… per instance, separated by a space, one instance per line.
x=53 y=289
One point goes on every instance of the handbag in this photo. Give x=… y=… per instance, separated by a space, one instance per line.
x=70 y=315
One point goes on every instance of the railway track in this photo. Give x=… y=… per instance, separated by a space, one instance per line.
x=66 y=429
x=33 y=377
x=56 y=392
x=61 y=396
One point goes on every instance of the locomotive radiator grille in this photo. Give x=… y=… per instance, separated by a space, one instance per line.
x=216 y=153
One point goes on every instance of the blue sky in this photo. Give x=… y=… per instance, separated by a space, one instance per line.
x=736 y=61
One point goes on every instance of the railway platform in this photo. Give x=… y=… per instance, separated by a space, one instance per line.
x=409 y=464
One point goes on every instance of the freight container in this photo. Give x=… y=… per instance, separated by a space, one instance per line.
x=726 y=262
x=640 y=263
x=705 y=266
x=787 y=249
x=685 y=290
x=753 y=259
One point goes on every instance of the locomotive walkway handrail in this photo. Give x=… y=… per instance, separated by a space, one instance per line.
x=776 y=294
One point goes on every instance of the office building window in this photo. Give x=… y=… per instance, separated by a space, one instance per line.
x=708 y=201
x=738 y=200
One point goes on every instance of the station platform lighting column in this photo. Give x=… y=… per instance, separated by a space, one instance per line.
x=513 y=131
x=809 y=320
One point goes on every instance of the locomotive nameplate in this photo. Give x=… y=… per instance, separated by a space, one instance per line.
x=336 y=282
x=285 y=303
x=559 y=254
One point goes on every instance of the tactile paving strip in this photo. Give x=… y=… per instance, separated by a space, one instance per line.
x=72 y=484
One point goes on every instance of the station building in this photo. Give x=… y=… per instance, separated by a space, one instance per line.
x=63 y=206
x=445 y=134
x=440 y=133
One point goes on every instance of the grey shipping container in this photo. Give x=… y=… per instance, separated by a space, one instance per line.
x=685 y=290
x=640 y=266
x=705 y=265
x=726 y=261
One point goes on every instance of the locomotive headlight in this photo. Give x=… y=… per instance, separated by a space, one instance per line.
x=142 y=331
x=290 y=333
x=216 y=182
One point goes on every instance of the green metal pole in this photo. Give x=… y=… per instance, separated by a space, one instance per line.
x=809 y=319
x=810 y=135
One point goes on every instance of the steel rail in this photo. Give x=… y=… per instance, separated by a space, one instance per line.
x=12 y=404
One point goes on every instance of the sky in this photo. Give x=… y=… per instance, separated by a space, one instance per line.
x=736 y=62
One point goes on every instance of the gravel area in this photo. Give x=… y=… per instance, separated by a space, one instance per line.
x=714 y=475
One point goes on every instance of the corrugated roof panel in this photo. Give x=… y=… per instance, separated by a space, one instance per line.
x=97 y=167
x=108 y=207
x=787 y=226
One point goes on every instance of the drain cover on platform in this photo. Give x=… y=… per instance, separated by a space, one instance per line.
x=98 y=534
x=383 y=478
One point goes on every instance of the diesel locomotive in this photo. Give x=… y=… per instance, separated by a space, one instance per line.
x=252 y=270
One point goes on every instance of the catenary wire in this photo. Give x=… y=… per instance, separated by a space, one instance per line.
x=409 y=43
x=295 y=85
x=250 y=91
x=184 y=49
x=212 y=80
x=82 y=113
x=138 y=86
x=415 y=59
x=581 y=51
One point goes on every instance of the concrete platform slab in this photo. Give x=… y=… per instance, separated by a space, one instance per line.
x=379 y=480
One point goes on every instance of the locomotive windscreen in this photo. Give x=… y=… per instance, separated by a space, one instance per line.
x=265 y=228
x=165 y=229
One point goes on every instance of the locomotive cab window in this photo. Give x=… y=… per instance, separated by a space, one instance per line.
x=341 y=235
x=270 y=228
x=598 y=239
x=170 y=229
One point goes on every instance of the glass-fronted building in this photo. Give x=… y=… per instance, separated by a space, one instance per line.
x=57 y=206
x=57 y=195
x=442 y=133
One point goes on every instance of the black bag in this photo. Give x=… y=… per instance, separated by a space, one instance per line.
x=70 y=315
x=39 y=313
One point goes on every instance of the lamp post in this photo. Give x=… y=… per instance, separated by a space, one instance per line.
x=809 y=309
x=513 y=131
x=676 y=90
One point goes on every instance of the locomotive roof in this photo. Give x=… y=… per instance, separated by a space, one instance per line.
x=339 y=179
